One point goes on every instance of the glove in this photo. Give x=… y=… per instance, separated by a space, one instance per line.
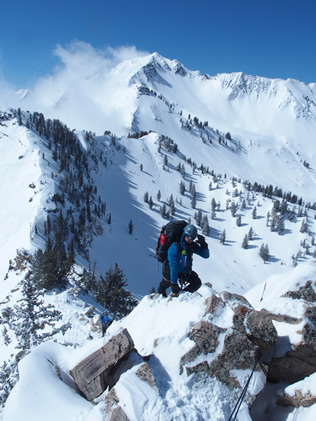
x=201 y=241
x=175 y=288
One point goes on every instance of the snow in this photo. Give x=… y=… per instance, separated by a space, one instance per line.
x=41 y=391
x=308 y=385
x=272 y=133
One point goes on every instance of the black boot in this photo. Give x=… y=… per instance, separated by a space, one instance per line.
x=163 y=286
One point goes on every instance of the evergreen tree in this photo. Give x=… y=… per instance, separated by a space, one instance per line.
x=233 y=208
x=254 y=213
x=163 y=211
x=222 y=238
x=198 y=218
x=213 y=204
x=245 y=242
x=193 y=199
x=8 y=378
x=113 y=295
x=304 y=227
x=130 y=227
x=150 y=202
x=205 y=225
x=280 y=225
x=250 y=234
x=264 y=252
x=19 y=117
x=182 y=188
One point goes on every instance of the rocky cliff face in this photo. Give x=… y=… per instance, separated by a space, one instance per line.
x=249 y=343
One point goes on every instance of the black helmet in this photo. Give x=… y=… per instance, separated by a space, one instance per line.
x=190 y=231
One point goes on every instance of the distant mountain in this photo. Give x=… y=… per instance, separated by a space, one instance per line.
x=84 y=160
x=236 y=138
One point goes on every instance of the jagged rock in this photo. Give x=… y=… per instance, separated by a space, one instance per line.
x=284 y=318
x=92 y=374
x=297 y=400
x=113 y=410
x=240 y=313
x=90 y=311
x=212 y=302
x=261 y=329
x=299 y=362
x=230 y=296
x=306 y=292
x=22 y=259
x=144 y=373
x=229 y=359
x=205 y=335
x=308 y=330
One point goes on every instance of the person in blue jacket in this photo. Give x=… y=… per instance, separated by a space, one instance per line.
x=105 y=323
x=178 y=266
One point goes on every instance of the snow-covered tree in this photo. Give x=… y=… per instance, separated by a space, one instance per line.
x=264 y=252
x=245 y=242
x=222 y=237
x=205 y=225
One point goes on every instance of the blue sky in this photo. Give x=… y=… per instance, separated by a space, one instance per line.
x=274 y=39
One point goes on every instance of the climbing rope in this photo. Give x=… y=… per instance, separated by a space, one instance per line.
x=233 y=415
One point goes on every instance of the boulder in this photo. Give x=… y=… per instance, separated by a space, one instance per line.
x=205 y=335
x=113 y=410
x=300 y=361
x=144 y=372
x=212 y=302
x=229 y=359
x=92 y=374
x=230 y=296
x=297 y=400
x=306 y=292
x=261 y=329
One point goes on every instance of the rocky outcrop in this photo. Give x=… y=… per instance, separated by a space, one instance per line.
x=205 y=335
x=113 y=410
x=230 y=338
x=261 y=329
x=145 y=374
x=251 y=333
x=92 y=375
x=293 y=358
x=300 y=361
x=299 y=399
x=306 y=292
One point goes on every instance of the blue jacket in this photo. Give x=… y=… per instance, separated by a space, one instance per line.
x=105 y=319
x=180 y=263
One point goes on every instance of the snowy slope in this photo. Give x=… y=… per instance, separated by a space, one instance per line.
x=122 y=185
x=159 y=328
x=272 y=125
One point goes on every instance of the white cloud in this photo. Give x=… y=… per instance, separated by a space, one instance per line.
x=83 y=90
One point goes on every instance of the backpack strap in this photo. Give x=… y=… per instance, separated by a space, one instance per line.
x=178 y=246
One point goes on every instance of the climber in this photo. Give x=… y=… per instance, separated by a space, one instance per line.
x=105 y=323
x=178 y=265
